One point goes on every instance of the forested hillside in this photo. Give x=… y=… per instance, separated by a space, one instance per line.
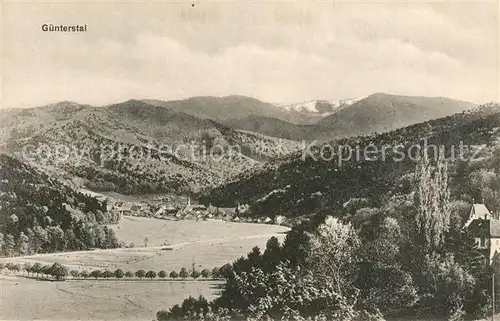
x=134 y=147
x=300 y=185
x=39 y=214
x=271 y=127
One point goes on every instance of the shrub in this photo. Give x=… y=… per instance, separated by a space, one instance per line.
x=205 y=273
x=118 y=273
x=107 y=274
x=151 y=274
x=195 y=274
x=96 y=274
x=183 y=273
x=140 y=274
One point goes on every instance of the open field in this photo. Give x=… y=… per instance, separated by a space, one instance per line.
x=28 y=299
x=134 y=229
x=206 y=243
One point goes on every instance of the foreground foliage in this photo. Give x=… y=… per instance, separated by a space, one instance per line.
x=405 y=256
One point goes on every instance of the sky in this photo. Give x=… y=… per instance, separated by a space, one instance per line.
x=279 y=52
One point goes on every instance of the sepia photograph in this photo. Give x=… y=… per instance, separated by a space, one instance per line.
x=250 y=160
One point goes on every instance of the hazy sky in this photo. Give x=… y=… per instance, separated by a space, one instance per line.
x=277 y=52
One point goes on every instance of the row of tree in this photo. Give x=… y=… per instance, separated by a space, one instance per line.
x=56 y=270
x=60 y=272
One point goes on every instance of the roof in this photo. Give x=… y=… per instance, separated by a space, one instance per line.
x=480 y=211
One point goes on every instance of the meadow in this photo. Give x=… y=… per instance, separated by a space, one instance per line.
x=28 y=299
x=204 y=243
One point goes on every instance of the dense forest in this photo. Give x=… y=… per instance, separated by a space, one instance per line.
x=298 y=185
x=39 y=214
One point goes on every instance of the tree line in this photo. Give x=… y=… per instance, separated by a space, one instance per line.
x=54 y=239
x=60 y=272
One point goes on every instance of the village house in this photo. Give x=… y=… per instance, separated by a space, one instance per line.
x=485 y=228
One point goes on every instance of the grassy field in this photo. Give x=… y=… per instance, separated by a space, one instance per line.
x=27 y=299
x=206 y=243
x=134 y=229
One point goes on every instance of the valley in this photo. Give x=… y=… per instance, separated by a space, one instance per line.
x=128 y=205
x=250 y=161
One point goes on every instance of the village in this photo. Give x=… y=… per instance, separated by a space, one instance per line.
x=168 y=209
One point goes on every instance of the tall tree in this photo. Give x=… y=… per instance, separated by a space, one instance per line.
x=432 y=202
x=40 y=239
x=2 y=243
x=23 y=244
x=58 y=271
x=183 y=273
x=10 y=244
x=140 y=274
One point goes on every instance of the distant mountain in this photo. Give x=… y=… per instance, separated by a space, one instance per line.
x=379 y=113
x=234 y=107
x=376 y=113
x=321 y=108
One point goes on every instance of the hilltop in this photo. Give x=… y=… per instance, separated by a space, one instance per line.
x=380 y=113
